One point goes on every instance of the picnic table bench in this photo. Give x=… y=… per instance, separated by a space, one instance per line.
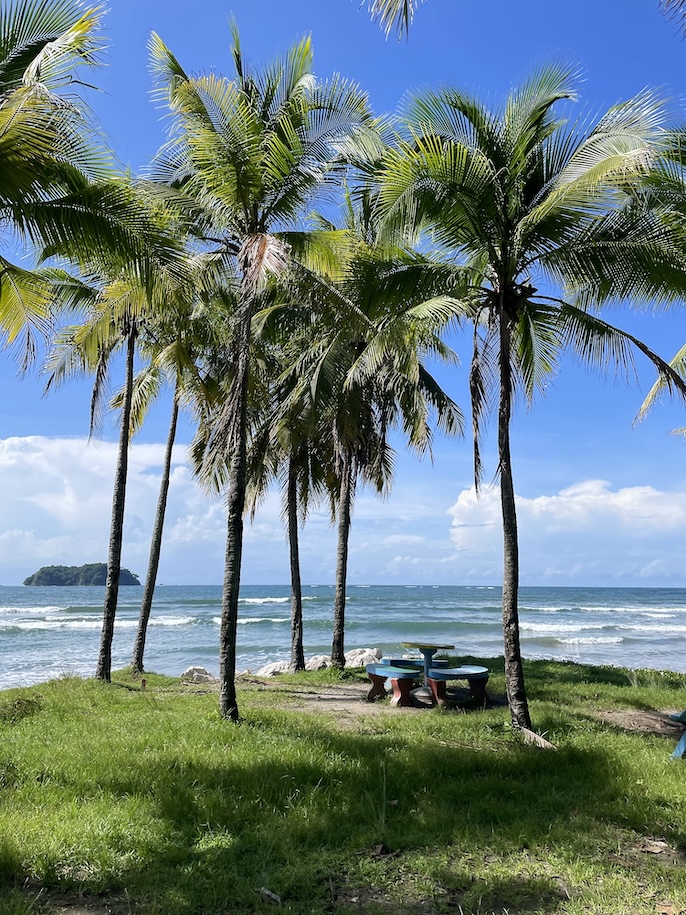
x=402 y=680
x=476 y=677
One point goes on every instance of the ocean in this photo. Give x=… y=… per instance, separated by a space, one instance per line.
x=47 y=632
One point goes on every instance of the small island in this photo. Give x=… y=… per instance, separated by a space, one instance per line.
x=95 y=573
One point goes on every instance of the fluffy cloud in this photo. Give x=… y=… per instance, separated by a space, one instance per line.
x=56 y=506
x=585 y=533
x=57 y=497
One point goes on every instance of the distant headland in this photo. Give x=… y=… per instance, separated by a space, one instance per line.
x=95 y=573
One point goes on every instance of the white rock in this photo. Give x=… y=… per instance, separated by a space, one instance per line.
x=197 y=675
x=271 y=670
x=358 y=657
x=317 y=661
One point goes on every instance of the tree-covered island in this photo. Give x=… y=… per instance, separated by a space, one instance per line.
x=94 y=573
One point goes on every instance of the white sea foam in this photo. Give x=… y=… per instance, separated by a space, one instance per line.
x=51 y=624
x=600 y=640
x=92 y=623
x=23 y=610
x=255 y=619
x=171 y=620
x=263 y=600
x=558 y=628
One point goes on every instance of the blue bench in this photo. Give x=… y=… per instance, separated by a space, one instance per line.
x=402 y=680
x=476 y=677
x=680 y=749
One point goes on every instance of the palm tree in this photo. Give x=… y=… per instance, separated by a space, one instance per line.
x=155 y=544
x=44 y=147
x=359 y=361
x=58 y=188
x=521 y=200
x=247 y=157
x=678 y=363
x=175 y=343
x=285 y=447
x=116 y=304
x=114 y=323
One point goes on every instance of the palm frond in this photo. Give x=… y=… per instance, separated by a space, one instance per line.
x=395 y=15
x=678 y=363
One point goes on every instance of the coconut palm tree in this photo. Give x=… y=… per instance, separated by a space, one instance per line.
x=359 y=364
x=246 y=158
x=89 y=348
x=57 y=182
x=175 y=342
x=44 y=149
x=287 y=450
x=116 y=298
x=545 y=221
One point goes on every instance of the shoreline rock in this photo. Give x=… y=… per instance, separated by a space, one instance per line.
x=356 y=657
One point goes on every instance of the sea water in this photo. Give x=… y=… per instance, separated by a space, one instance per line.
x=47 y=632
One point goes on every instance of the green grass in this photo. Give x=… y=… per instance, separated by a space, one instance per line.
x=152 y=804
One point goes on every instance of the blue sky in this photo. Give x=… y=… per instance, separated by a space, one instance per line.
x=599 y=503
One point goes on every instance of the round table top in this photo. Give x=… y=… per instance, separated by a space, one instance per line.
x=421 y=645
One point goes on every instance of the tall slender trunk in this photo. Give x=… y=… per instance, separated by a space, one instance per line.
x=344 y=501
x=228 y=703
x=514 y=672
x=297 y=653
x=104 y=668
x=155 y=546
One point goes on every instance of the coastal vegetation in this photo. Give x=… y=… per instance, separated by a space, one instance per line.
x=93 y=573
x=127 y=801
x=299 y=340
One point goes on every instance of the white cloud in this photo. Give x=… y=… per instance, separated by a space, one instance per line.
x=57 y=501
x=57 y=504
x=585 y=533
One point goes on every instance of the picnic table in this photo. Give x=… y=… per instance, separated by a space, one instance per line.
x=428 y=650
x=404 y=672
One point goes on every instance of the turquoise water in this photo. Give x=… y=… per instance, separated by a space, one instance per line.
x=47 y=632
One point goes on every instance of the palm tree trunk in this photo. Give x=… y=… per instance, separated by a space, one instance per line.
x=297 y=653
x=104 y=668
x=514 y=672
x=344 y=502
x=228 y=703
x=155 y=547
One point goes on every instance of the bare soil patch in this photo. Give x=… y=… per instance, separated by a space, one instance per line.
x=644 y=721
x=347 y=702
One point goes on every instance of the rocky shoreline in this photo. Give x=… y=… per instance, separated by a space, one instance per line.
x=357 y=657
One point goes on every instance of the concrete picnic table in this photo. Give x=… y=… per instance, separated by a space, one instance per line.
x=428 y=650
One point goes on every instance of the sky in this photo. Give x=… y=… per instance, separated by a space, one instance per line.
x=600 y=501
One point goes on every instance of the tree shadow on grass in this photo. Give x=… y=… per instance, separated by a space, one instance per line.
x=304 y=822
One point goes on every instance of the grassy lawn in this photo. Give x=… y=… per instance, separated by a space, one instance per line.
x=148 y=803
